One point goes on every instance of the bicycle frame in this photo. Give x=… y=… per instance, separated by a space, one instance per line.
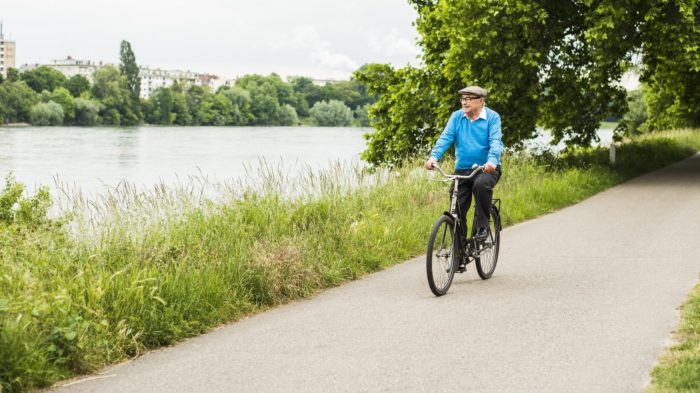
x=460 y=233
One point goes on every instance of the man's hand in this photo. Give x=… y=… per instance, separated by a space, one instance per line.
x=429 y=164
x=489 y=167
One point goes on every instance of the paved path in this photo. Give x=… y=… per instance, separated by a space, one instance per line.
x=583 y=300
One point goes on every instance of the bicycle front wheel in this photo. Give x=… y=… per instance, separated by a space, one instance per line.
x=440 y=259
x=487 y=250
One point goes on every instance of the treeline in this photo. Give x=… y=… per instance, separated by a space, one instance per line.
x=260 y=100
x=44 y=96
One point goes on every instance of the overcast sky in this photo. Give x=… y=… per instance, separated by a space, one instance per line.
x=317 y=38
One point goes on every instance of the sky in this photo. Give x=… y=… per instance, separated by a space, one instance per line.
x=323 y=39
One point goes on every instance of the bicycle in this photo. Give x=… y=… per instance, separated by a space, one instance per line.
x=447 y=240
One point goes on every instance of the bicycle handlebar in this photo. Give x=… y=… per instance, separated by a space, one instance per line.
x=475 y=169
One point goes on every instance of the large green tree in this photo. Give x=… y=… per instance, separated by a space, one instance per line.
x=110 y=88
x=671 y=64
x=77 y=84
x=43 y=78
x=552 y=63
x=17 y=100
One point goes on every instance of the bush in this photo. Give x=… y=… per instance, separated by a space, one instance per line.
x=87 y=112
x=288 y=115
x=46 y=114
x=331 y=113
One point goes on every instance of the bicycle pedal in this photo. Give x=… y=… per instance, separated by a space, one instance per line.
x=462 y=269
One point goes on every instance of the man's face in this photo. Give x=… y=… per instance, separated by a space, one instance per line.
x=471 y=103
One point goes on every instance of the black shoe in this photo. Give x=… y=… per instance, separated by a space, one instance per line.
x=482 y=234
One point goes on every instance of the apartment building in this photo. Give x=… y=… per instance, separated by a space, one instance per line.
x=7 y=54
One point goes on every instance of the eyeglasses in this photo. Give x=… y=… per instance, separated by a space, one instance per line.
x=468 y=98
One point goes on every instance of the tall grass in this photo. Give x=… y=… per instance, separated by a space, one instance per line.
x=141 y=270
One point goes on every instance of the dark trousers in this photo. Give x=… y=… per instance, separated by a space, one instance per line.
x=481 y=186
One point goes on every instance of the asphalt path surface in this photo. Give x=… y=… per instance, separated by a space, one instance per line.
x=582 y=300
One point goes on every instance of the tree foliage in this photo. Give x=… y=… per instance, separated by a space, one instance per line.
x=132 y=80
x=43 y=78
x=87 y=112
x=331 y=113
x=671 y=57
x=110 y=88
x=46 y=114
x=77 y=85
x=548 y=63
x=63 y=97
x=17 y=100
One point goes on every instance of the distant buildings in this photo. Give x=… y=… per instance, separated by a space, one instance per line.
x=7 y=54
x=69 y=67
x=151 y=79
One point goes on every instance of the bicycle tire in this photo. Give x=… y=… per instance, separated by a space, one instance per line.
x=440 y=262
x=488 y=249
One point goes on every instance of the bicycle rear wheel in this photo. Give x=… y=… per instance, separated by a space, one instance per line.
x=440 y=259
x=487 y=250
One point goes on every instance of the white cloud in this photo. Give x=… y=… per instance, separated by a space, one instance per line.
x=393 y=45
x=306 y=39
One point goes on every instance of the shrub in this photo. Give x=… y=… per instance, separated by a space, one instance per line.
x=331 y=113
x=87 y=112
x=288 y=115
x=46 y=114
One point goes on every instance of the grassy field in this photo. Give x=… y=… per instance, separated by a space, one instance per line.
x=146 y=270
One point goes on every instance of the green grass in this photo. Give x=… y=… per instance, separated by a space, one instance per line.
x=145 y=270
x=679 y=369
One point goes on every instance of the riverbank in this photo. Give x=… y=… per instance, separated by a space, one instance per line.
x=153 y=275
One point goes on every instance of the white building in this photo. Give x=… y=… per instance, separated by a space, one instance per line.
x=71 y=67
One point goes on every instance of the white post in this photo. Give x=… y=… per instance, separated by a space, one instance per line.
x=612 y=153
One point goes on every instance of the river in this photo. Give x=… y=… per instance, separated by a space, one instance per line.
x=98 y=159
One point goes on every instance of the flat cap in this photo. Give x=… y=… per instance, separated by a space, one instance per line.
x=475 y=90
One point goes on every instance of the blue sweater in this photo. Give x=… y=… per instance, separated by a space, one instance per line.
x=476 y=142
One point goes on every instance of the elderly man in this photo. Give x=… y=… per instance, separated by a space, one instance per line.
x=476 y=132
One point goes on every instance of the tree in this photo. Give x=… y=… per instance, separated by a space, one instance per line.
x=77 y=84
x=46 y=114
x=128 y=68
x=12 y=74
x=549 y=62
x=671 y=64
x=361 y=115
x=111 y=90
x=130 y=71
x=288 y=116
x=637 y=113
x=240 y=98
x=17 y=100
x=87 y=112
x=43 y=78
x=331 y=114
x=182 y=113
x=162 y=106
x=63 y=97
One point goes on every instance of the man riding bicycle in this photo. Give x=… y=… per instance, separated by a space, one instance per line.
x=476 y=132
